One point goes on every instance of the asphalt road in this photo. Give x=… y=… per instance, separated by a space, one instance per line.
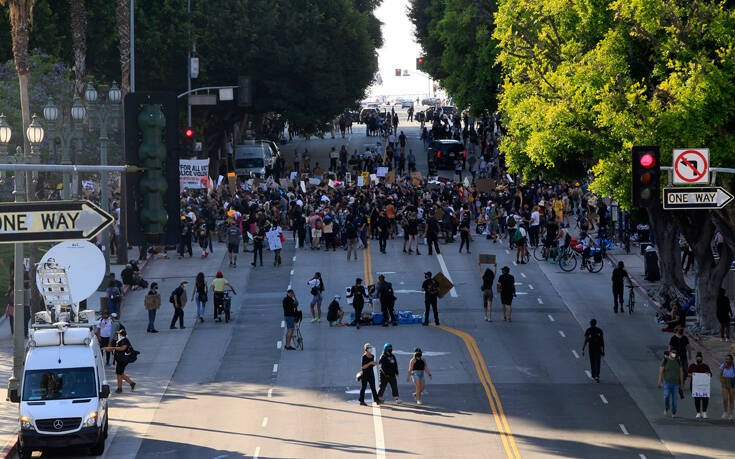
x=500 y=389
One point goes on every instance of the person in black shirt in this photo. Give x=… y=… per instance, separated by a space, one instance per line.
x=388 y=372
x=464 y=231
x=351 y=236
x=122 y=345
x=431 y=233
x=357 y=293
x=487 y=293
x=290 y=312
x=384 y=292
x=258 y=245
x=383 y=225
x=619 y=274
x=431 y=293
x=507 y=290
x=367 y=375
x=680 y=344
x=596 y=340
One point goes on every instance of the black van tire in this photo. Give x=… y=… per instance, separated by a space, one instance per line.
x=24 y=453
x=105 y=430
x=99 y=448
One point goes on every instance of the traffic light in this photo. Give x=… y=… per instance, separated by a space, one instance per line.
x=189 y=133
x=646 y=177
x=188 y=147
x=419 y=63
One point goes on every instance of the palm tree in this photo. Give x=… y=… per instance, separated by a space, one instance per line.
x=122 y=16
x=79 y=44
x=21 y=17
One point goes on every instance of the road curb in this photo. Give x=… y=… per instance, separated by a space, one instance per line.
x=697 y=344
x=11 y=447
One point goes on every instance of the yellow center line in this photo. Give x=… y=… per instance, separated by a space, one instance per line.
x=501 y=421
x=509 y=443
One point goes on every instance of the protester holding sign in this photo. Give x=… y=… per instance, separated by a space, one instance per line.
x=700 y=385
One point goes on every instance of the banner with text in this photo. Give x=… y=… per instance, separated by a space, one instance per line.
x=194 y=173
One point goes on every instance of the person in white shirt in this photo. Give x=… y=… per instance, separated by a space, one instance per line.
x=103 y=330
x=533 y=230
x=586 y=244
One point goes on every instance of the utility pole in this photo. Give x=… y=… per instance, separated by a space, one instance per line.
x=132 y=45
x=19 y=290
x=188 y=66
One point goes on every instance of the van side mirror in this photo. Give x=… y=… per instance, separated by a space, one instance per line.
x=14 y=396
x=105 y=392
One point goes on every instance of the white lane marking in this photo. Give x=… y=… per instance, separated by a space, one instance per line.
x=530 y=286
x=562 y=334
x=625 y=431
x=407 y=291
x=265 y=422
x=523 y=275
x=379 y=436
x=292 y=272
x=518 y=283
x=540 y=301
x=642 y=456
x=452 y=292
x=576 y=356
x=294 y=258
x=275 y=368
x=279 y=344
x=604 y=400
x=289 y=287
x=587 y=372
x=551 y=318
x=507 y=251
x=270 y=392
x=256 y=454
x=283 y=323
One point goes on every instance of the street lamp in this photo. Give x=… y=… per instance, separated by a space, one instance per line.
x=114 y=95
x=5 y=134
x=35 y=134
x=90 y=93
x=77 y=109
x=50 y=111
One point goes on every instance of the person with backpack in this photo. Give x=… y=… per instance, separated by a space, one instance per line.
x=233 y=243
x=317 y=287
x=520 y=240
x=178 y=299
x=594 y=337
x=200 y=293
x=387 y=298
x=430 y=287
x=351 y=236
x=152 y=304
x=124 y=354
x=114 y=296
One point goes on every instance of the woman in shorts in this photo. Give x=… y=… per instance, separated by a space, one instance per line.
x=416 y=369
x=122 y=345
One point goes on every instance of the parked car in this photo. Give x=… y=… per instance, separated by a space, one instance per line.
x=444 y=152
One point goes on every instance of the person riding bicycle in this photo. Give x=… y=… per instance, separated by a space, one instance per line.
x=586 y=243
x=563 y=238
x=218 y=287
x=619 y=275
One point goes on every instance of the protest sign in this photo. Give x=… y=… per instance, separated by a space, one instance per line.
x=382 y=171
x=193 y=174
x=284 y=183
x=294 y=175
x=390 y=177
x=314 y=181
x=484 y=185
x=700 y=385
x=303 y=187
x=232 y=182
x=360 y=180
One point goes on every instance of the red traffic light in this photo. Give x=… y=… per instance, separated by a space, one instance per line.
x=189 y=132
x=421 y=59
x=647 y=160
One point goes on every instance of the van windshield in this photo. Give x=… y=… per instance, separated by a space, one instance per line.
x=59 y=384
x=248 y=163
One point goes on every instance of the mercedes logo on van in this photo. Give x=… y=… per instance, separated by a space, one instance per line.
x=58 y=424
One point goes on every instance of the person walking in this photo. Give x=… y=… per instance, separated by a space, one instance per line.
x=114 y=296
x=357 y=293
x=388 y=373
x=317 y=287
x=103 y=330
x=724 y=314
x=275 y=239
x=680 y=344
x=218 y=292
x=200 y=295
x=290 y=312
x=258 y=237
x=430 y=287
x=121 y=362
x=431 y=233
x=727 y=379
x=465 y=234
x=671 y=378
x=178 y=298
x=595 y=338
x=367 y=376
x=152 y=304
x=507 y=290
x=619 y=275
x=700 y=402
x=233 y=243
x=387 y=298
x=416 y=369
x=487 y=293
x=351 y=236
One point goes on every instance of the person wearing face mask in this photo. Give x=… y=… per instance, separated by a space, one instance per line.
x=727 y=378
x=680 y=344
x=700 y=403
x=119 y=350
x=367 y=376
x=388 y=372
x=671 y=378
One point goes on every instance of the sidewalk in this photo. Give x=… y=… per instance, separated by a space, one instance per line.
x=159 y=357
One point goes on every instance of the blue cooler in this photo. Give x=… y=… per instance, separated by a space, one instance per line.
x=377 y=318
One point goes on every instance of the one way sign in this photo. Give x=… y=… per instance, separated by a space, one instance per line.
x=713 y=197
x=51 y=221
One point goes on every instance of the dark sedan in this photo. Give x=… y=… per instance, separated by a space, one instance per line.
x=443 y=153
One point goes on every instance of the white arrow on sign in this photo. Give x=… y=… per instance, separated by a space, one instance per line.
x=45 y=221
x=696 y=198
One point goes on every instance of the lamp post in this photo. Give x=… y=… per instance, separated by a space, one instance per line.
x=34 y=133
x=102 y=112
x=66 y=129
x=5 y=133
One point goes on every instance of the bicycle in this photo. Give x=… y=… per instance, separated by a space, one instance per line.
x=567 y=260
x=596 y=260
x=543 y=253
x=225 y=306
x=631 y=298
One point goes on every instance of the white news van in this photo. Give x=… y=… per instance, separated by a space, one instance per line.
x=64 y=391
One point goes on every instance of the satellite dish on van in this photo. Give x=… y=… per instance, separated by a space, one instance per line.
x=84 y=263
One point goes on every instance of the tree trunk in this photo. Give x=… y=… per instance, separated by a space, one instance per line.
x=122 y=16
x=698 y=228
x=664 y=230
x=79 y=44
